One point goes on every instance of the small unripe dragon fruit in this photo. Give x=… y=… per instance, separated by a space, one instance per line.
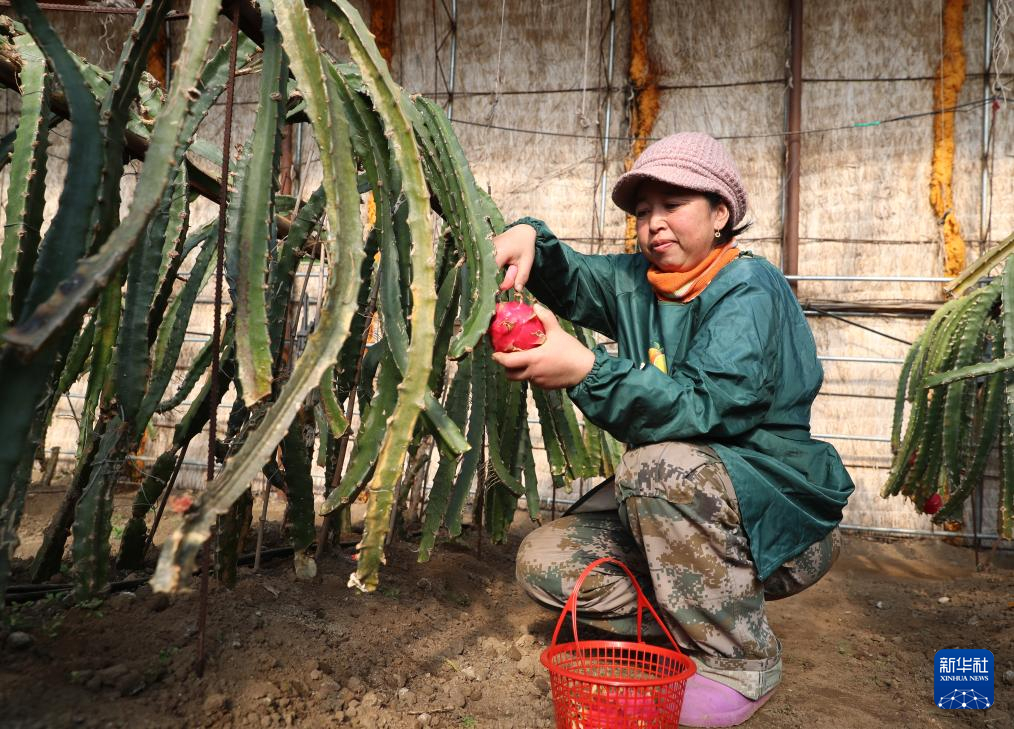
x=516 y=327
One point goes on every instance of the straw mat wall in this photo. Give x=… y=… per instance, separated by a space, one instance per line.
x=721 y=69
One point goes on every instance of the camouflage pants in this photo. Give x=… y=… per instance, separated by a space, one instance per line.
x=677 y=527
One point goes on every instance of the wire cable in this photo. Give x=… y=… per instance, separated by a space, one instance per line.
x=839 y=317
x=698 y=86
x=968 y=106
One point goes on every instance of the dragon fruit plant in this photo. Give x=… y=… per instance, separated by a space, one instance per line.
x=958 y=385
x=94 y=283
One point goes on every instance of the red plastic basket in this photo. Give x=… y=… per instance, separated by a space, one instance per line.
x=609 y=684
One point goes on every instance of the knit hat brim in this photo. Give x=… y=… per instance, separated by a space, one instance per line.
x=625 y=190
x=691 y=160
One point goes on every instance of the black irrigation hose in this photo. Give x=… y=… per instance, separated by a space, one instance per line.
x=30 y=592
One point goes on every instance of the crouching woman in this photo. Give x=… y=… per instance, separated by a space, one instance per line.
x=723 y=500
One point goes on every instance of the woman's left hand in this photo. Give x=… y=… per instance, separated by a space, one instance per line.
x=561 y=361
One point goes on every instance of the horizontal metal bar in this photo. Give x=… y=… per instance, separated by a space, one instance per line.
x=828 y=436
x=191 y=464
x=861 y=395
x=535 y=421
x=565 y=502
x=857 y=314
x=823 y=436
x=842 y=436
x=917 y=532
x=885 y=279
x=210 y=301
x=61 y=8
x=868 y=360
x=203 y=465
x=187 y=403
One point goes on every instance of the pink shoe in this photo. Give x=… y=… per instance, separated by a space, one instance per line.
x=709 y=703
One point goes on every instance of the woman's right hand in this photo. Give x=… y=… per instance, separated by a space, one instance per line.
x=515 y=248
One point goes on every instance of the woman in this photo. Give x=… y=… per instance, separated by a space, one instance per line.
x=722 y=499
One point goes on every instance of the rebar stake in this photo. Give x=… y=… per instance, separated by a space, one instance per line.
x=216 y=341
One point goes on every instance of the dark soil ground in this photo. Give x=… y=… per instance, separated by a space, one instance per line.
x=454 y=643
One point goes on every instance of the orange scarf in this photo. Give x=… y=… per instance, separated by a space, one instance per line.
x=684 y=286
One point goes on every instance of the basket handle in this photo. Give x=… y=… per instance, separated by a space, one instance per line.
x=642 y=602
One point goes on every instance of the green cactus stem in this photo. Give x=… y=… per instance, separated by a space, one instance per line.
x=531 y=478
x=984 y=437
x=93 y=516
x=470 y=463
x=345 y=246
x=253 y=345
x=337 y=423
x=176 y=237
x=443 y=480
x=132 y=345
x=387 y=100
x=12 y=507
x=23 y=384
x=296 y=448
x=471 y=231
x=981 y=267
x=26 y=194
x=233 y=529
x=107 y=325
x=370 y=435
x=198 y=365
x=1006 y=516
x=169 y=341
x=122 y=91
x=94 y=273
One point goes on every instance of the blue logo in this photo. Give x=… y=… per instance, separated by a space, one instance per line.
x=963 y=679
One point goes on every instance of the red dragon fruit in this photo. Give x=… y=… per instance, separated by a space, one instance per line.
x=516 y=327
x=932 y=504
x=180 y=504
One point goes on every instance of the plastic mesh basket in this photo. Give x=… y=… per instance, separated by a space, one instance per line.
x=606 y=684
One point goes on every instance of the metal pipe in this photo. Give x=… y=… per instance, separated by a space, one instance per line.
x=987 y=62
x=187 y=463
x=863 y=438
x=891 y=279
x=285 y=163
x=867 y=360
x=185 y=403
x=790 y=225
x=99 y=9
x=454 y=55
x=858 y=528
x=207 y=301
x=169 y=485
x=297 y=160
x=213 y=375
x=167 y=29
x=58 y=7
x=829 y=436
x=916 y=532
x=609 y=116
x=855 y=314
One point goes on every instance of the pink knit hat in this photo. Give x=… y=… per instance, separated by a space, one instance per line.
x=692 y=160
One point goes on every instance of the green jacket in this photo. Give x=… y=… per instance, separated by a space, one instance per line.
x=742 y=374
